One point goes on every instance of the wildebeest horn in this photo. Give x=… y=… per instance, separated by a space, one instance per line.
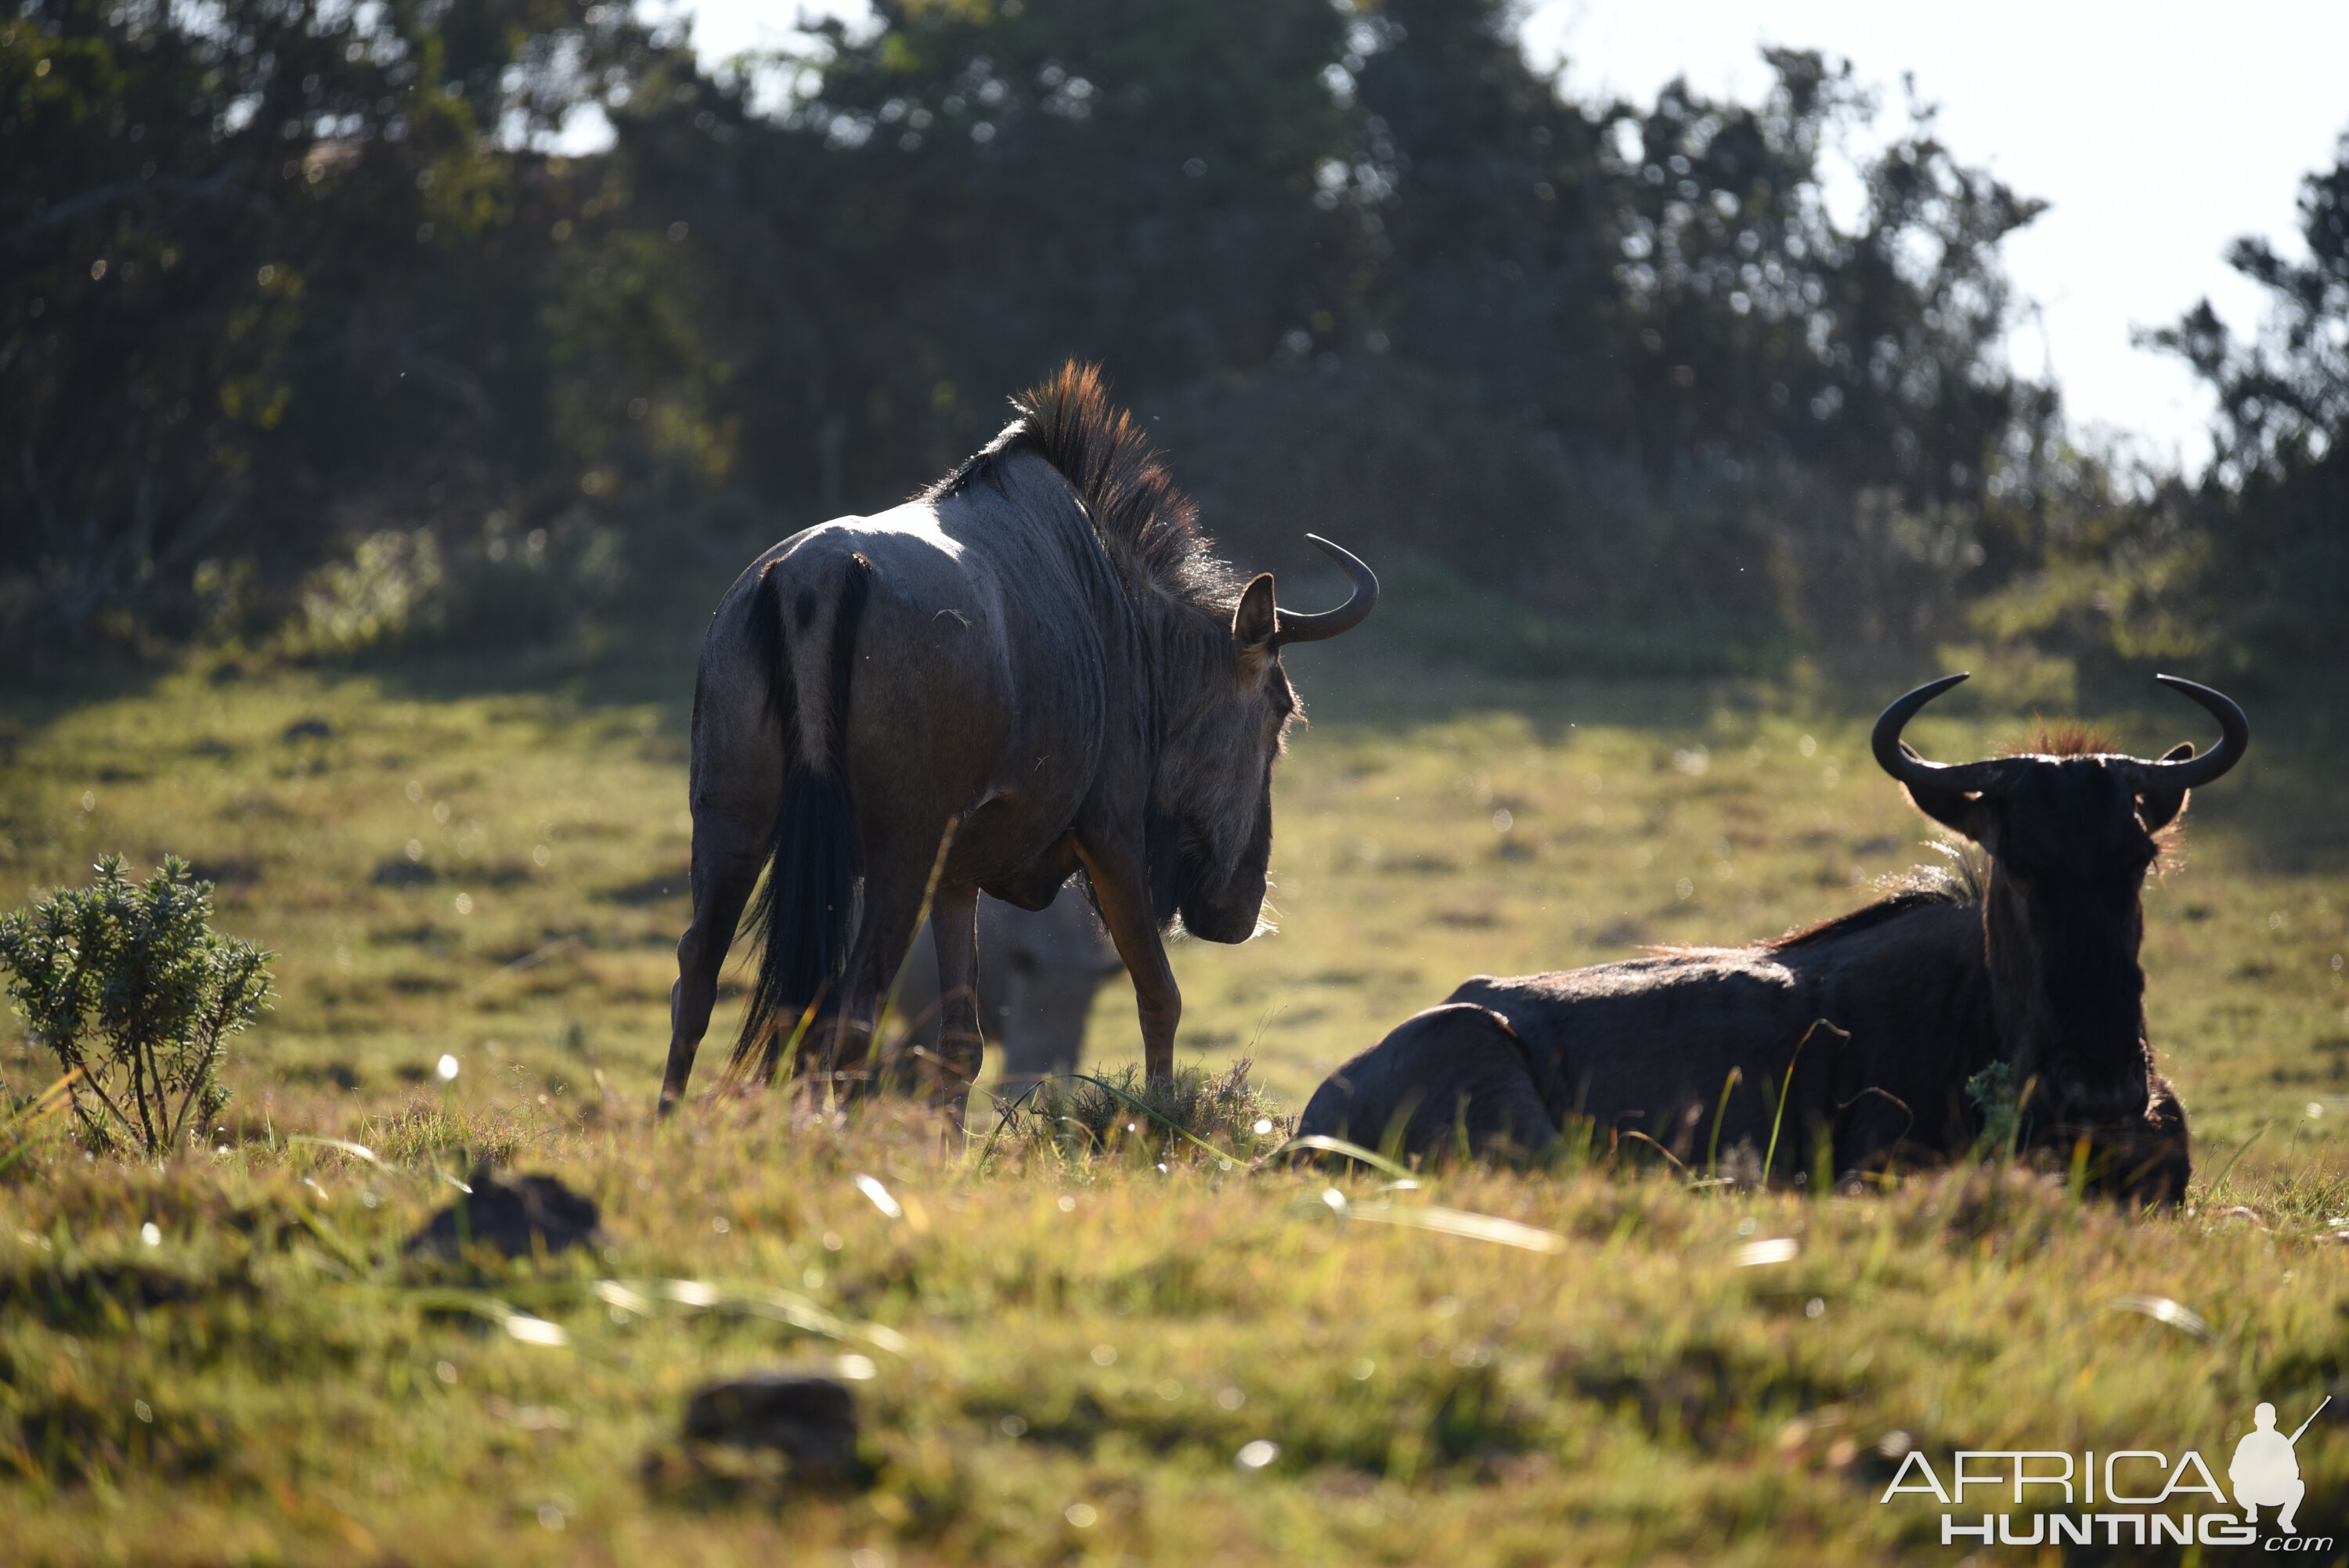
x=1998 y=773
x=2192 y=772
x=1296 y=628
x=1989 y=778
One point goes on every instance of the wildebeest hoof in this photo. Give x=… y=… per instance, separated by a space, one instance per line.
x=515 y=1218
x=808 y=1418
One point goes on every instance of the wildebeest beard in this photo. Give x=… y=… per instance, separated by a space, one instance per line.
x=1220 y=904
x=2095 y=1056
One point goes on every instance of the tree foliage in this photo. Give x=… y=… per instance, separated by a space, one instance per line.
x=2274 y=505
x=258 y=255
x=303 y=316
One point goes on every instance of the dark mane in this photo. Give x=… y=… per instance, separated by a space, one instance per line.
x=2067 y=737
x=1149 y=527
x=1961 y=881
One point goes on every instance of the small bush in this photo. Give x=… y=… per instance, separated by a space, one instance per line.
x=1994 y=1094
x=137 y=996
x=389 y=587
x=1080 y=1114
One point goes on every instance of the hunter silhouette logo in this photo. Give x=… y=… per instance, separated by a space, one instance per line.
x=2266 y=1468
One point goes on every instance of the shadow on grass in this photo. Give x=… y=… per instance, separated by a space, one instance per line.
x=2288 y=805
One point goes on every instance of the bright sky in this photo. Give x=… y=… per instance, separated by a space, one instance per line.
x=2157 y=130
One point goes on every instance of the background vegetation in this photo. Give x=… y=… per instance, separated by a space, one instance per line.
x=370 y=470
x=306 y=339
x=498 y=877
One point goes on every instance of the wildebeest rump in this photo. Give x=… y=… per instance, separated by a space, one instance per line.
x=1038 y=973
x=1043 y=656
x=1870 y=1026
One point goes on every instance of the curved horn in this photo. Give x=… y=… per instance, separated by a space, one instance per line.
x=1967 y=777
x=1295 y=628
x=2192 y=772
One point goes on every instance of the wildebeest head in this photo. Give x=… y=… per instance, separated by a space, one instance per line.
x=1219 y=701
x=2070 y=839
x=1211 y=811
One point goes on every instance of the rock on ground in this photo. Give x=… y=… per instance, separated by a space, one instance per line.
x=515 y=1216
x=812 y=1418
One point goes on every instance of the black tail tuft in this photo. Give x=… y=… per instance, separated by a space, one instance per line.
x=804 y=911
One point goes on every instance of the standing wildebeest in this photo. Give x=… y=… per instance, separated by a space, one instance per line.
x=1914 y=995
x=1037 y=972
x=1041 y=655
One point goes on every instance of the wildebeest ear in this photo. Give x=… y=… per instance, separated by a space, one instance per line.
x=2157 y=809
x=1953 y=809
x=1254 y=622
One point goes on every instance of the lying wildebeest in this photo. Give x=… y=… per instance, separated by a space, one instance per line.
x=1041 y=655
x=1912 y=996
x=1037 y=972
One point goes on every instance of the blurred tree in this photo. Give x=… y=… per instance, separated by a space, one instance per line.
x=1487 y=198
x=255 y=255
x=2274 y=504
x=969 y=193
x=1817 y=412
x=2283 y=398
x=1762 y=323
x=301 y=281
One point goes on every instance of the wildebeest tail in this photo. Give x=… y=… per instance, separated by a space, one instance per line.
x=803 y=909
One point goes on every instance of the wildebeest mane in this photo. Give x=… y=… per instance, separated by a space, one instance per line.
x=1147 y=526
x=2066 y=738
x=1965 y=879
x=1962 y=880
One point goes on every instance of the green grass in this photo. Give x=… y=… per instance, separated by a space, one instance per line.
x=1068 y=1349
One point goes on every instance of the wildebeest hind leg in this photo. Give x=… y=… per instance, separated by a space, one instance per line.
x=727 y=855
x=886 y=929
x=954 y=918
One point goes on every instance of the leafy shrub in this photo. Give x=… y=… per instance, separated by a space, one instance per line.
x=131 y=988
x=1992 y=1093
x=387 y=588
x=1080 y=1114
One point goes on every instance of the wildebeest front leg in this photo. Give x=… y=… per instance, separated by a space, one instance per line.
x=1121 y=889
x=727 y=855
x=954 y=920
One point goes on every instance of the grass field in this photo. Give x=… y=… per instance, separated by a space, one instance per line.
x=1065 y=1356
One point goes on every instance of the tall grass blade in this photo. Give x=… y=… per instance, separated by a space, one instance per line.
x=47 y=1103
x=2245 y=1148
x=787 y=1061
x=1008 y=1113
x=1713 y=1145
x=1465 y=1223
x=344 y=1145
x=640 y=1298
x=2163 y=1310
x=1778 y=1117
x=521 y=1326
x=1323 y=1143
x=1676 y=1163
